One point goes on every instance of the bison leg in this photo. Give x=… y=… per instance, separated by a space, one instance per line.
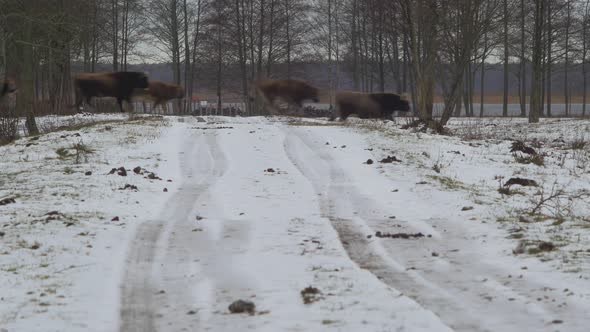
x=79 y=101
x=130 y=105
x=156 y=104
x=120 y=102
x=344 y=115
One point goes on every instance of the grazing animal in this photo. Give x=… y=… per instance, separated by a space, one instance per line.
x=293 y=92
x=160 y=93
x=369 y=105
x=8 y=87
x=119 y=85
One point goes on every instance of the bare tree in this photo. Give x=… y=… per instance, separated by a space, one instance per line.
x=585 y=23
x=506 y=57
x=539 y=21
x=419 y=20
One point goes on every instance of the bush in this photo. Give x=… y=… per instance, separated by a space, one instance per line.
x=8 y=124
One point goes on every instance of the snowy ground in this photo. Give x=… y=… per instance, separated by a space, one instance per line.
x=261 y=208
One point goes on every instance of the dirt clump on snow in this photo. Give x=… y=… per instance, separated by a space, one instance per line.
x=521 y=182
x=405 y=236
x=242 y=306
x=310 y=295
x=6 y=201
x=153 y=176
x=389 y=160
x=129 y=187
x=121 y=171
x=533 y=247
x=522 y=147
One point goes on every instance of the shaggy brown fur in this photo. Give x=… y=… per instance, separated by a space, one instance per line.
x=119 y=85
x=7 y=87
x=160 y=93
x=294 y=92
x=369 y=105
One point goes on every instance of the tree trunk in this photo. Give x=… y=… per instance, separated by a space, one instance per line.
x=355 y=46
x=380 y=49
x=25 y=100
x=566 y=63
x=187 y=62
x=549 y=58
x=482 y=75
x=175 y=45
x=535 y=106
x=241 y=34
x=288 y=37
x=330 y=64
x=219 y=66
x=196 y=40
x=115 y=32
x=271 y=34
x=505 y=34
x=260 y=40
x=584 y=56
x=523 y=80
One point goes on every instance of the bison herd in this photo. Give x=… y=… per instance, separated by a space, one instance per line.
x=128 y=86
x=124 y=86
x=364 y=105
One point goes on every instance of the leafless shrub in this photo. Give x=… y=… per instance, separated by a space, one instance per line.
x=558 y=202
x=579 y=143
x=9 y=122
x=536 y=159
x=410 y=122
x=471 y=130
x=438 y=164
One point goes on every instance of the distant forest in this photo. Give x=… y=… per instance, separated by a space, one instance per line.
x=318 y=75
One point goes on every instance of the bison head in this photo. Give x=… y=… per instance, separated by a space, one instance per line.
x=8 y=86
x=142 y=81
x=180 y=93
x=404 y=106
x=315 y=96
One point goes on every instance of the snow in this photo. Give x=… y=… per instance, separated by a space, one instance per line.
x=261 y=208
x=72 y=279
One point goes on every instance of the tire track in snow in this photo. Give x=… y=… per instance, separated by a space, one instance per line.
x=353 y=216
x=202 y=164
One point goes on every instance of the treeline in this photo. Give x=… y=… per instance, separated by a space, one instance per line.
x=424 y=47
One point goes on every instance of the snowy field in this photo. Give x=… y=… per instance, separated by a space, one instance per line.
x=393 y=230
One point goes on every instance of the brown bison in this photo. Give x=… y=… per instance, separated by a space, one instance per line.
x=8 y=87
x=369 y=105
x=293 y=92
x=160 y=93
x=119 y=85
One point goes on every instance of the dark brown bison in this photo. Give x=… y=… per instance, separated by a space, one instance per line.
x=293 y=92
x=369 y=105
x=160 y=93
x=119 y=85
x=8 y=87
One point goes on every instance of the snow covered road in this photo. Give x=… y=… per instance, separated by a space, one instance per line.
x=261 y=208
x=246 y=224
